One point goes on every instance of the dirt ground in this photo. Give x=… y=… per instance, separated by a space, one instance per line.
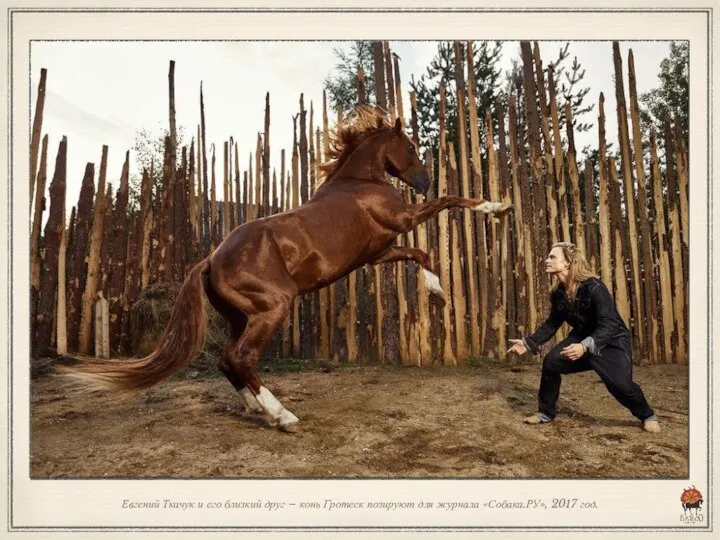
x=362 y=422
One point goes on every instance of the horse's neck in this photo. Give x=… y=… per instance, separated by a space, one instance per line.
x=365 y=163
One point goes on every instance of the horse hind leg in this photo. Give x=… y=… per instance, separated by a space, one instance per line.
x=244 y=357
x=238 y=321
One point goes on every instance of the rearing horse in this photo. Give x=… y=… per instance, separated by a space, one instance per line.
x=254 y=275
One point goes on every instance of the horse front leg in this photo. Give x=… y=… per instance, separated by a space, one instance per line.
x=415 y=214
x=432 y=282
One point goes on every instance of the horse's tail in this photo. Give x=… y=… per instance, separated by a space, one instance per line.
x=182 y=339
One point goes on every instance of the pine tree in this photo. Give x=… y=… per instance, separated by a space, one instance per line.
x=486 y=60
x=341 y=84
x=670 y=100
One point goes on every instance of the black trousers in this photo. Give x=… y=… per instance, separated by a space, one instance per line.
x=613 y=364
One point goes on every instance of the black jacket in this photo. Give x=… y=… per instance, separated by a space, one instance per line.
x=593 y=316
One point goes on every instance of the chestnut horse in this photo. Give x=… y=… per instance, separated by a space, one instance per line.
x=254 y=275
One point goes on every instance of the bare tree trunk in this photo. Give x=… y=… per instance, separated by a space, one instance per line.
x=525 y=277
x=54 y=228
x=167 y=215
x=663 y=259
x=35 y=234
x=507 y=253
x=146 y=218
x=604 y=208
x=550 y=188
x=61 y=312
x=476 y=184
x=259 y=203
x=266 y=158
x=206 y=232
x=458 y=284
x=78 y=257
x=473 y=299
x=119 y=238
x=558 y=168
x=535 y=158
x=88 y=298
x=639 y=315
x=497 y=343
x=36 y=133
x=449 y=356
x=622 y=298
x=379 y=73
x=679 y=282
x=578 y=221
x=591 y=226
x=650 y=307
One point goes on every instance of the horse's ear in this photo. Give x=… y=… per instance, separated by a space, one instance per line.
x=398 y=126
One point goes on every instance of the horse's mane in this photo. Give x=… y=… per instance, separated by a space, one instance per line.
x=361 y=123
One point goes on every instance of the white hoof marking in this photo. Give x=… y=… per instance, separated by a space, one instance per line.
x=432 y=282
x=277 y=414
x=251 y=404
x=488 y=207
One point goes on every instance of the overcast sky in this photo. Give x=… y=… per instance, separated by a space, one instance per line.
x=103 y=92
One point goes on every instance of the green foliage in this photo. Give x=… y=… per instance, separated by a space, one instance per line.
x=486 y=66
x=342 y=85
x=148 y=150
x=670 y=101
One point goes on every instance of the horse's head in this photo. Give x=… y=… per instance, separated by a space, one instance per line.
x=402 y=160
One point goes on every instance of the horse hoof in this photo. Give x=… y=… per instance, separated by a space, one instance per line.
x=438 y=300
x=290 y=428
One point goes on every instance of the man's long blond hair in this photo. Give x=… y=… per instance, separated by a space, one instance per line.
x=579 y=269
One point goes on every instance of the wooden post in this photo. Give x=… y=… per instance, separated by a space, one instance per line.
x=591 y=226
x=639 y=315
x=604 y=208
x=207 y=231
x=45 y=319
x=167 y=214
x=578 y=219
x=622 y=299
x=146 y=218
x=480 y=261
x=77 y=267
x=88 y=298
x=468 y=217
x=558 y=168
x=675 y=233
x=682 y=178
x=535 y=163
x=527 y=318
x=389 y=80
x=550 y=188
x=118 y=233
x=36 y=132
x=663 y=259
x=449 y=356
x=379 y=74
x=213 y=200
x=102 y=332
x=458 y=284
x=36 y=226
x=191 y=195
x=507 y=252
x=226 y=191
x=495 y=295
x=171 y=102
x=61 y=312
x=648 y=275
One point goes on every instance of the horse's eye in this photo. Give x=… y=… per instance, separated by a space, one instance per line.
x=411 y=149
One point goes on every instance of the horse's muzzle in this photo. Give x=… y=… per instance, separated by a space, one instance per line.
x=421 y=183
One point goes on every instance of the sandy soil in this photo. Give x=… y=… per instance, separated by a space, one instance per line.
x=361 y=422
